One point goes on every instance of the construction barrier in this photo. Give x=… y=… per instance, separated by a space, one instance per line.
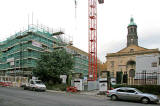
x=71 y=89
x=16 y=81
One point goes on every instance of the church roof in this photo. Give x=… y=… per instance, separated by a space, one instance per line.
x=132 y=22
x=135 y=47
x=133 y=50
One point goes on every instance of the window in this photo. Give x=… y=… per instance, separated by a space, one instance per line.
x=29 y=60
x=112 y=63
x=135 y=30
x=130 y=30
x=112 y=74
x=32 y=82
x=154 y=64
x=131 y=41
x=130 y=91
x=120 y=90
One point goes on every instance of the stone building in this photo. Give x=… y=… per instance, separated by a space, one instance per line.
x=122 y=64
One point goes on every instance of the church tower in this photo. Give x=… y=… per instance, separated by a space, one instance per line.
x=132 y=38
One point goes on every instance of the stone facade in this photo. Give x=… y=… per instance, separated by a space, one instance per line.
x=124 y=61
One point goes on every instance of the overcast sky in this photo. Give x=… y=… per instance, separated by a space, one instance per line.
x=113 y=19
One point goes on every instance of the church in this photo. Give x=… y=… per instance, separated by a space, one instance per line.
x=122 y=64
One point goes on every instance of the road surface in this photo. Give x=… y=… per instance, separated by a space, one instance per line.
x=20 y=97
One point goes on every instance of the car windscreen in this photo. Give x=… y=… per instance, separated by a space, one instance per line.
x=138 y=91
x=38 y=82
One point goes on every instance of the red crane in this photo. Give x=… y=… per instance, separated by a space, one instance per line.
x=92 y=39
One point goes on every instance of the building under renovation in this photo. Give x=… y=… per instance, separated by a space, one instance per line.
x=81 y=61
x=20 y=52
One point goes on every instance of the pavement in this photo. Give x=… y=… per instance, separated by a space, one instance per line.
x=94 y=93
x=90 y=93
x=20 y=97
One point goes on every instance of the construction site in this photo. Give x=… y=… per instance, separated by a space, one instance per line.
x=20 y=52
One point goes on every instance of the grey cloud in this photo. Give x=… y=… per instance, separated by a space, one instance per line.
x=110 y=47
x=151 y=42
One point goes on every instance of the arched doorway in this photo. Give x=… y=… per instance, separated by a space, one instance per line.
x=131 y=65
x=132 y=73
x=131 y=62
x=130 y=68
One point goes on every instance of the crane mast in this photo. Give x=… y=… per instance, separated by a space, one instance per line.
x=92 y=39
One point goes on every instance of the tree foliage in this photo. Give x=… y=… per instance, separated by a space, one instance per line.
x=52 y=65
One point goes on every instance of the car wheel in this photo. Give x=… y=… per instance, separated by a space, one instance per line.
x=33 y=89
x=114 y=97
x=145 y=100
x=25 y=88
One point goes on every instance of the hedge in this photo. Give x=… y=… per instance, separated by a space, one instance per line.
x=57 y=87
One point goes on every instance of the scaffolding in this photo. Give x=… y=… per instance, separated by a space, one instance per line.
x=20 y=52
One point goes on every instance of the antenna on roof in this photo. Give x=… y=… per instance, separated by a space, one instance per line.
x=28 y=21
x=32 y=18
x=37 y=23
x=75 y=1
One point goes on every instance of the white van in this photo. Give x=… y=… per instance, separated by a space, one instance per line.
x=35 y=85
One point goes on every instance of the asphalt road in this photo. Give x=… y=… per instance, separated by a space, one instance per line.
x=20 y=97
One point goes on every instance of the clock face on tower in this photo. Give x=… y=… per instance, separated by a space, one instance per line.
x=131 y=41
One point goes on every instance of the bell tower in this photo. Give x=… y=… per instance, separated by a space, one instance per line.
x=132 y=38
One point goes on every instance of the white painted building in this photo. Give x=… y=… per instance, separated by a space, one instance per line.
x=148 y=67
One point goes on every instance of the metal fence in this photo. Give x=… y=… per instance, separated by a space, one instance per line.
x=145 y=78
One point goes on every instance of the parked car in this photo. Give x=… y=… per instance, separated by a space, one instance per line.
x=35 y=85
x=113 y=81
x=131 y=94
